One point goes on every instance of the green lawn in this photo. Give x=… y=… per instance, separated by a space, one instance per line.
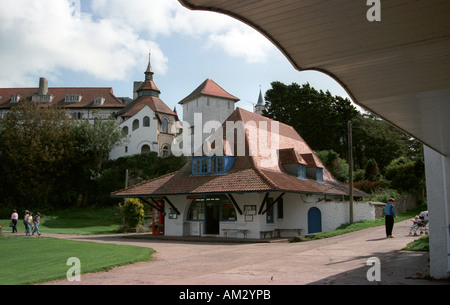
x=74 y=221
x=28 y=260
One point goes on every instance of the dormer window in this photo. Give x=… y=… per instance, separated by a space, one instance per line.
x=15 y=98
x=98 y=101
x=215 y=165
x=301 y=171
x=73 y=98
x=319 y=174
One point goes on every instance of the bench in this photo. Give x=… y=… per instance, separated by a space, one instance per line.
x=243 y=231
x=278 y=231
x=263 y=234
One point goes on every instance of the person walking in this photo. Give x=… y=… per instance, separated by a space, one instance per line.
x=389 y=215
x=14 y=219
x=36 y=221
x=28 y=223
x=25 y=219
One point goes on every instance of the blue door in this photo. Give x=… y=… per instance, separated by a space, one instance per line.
x=314 y=221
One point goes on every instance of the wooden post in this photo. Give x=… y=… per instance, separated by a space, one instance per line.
x=350 y=169
x=126 y=178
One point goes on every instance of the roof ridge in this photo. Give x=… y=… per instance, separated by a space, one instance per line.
x=144 y=182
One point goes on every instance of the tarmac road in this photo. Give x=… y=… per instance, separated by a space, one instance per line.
x=339 y=260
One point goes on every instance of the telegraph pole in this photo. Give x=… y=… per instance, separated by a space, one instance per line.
x=350 y=168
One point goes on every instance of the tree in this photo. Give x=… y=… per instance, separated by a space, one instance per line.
x=36 y=144
x=320 y=118
x=49 y=160
x=406 y=175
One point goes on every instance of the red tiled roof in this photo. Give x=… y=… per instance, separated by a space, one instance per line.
x=59 y=94
x=155 y=103
x=148 y=85
x=249 y=173
x=210 y=88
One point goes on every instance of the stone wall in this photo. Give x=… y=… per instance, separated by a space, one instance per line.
x=402 y=204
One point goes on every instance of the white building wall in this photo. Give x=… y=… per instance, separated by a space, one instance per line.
x=296 y=207
x=211 y=109
x=437 y=170
x=138 y=138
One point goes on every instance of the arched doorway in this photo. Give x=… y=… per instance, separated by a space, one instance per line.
x=314 y=221
x=145 y=149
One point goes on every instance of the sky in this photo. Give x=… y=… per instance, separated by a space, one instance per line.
x=106 y=43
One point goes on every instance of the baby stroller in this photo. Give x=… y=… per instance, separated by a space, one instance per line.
x=420 y=223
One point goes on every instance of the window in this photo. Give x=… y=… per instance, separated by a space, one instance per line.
x=319 y=174
x=135 y=124
x=165 y=151
x=280 y=209
x=164 y=125
x=98 y=101
x=269 y=212
x=73 y=98
x=77 y=115
x=197 y=208
x=227 y=211
x=125 y=130
x=146 y=122
x=15 y=98
x=204 y=166
x=211 y=165
x=301 y=171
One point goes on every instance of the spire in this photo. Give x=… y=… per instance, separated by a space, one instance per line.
x=148 y=87
x=149 y=72
x=260 y=99
x=260 y=106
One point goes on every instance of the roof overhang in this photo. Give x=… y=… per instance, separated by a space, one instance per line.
x=397 y=68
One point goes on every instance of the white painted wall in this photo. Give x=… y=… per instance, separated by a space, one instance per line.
x=437 y=170
x=296 y=207
x=211 y=109
x=139 y=137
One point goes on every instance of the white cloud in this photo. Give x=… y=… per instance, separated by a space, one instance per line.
x=43 y=37
x=39 y=38
x=156 y=17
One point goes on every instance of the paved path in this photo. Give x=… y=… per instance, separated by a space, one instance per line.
x=337 y=260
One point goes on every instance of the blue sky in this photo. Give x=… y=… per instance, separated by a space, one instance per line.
x=105 y=43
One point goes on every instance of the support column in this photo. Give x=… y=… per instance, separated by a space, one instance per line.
x=437 y=170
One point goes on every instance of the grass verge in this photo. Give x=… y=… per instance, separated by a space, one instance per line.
x=28 y=260
x=421 y=244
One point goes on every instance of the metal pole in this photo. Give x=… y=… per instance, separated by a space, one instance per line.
x=350 y=169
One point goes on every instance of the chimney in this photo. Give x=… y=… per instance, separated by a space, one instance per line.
x=43 y=86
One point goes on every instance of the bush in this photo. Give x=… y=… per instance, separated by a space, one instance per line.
x=133 y=212
x=369 y=186
x=383 y=195
x=405 y=175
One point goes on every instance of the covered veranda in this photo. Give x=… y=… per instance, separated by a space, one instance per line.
x=396 y=68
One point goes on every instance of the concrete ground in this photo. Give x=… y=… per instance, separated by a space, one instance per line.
x=340 y=260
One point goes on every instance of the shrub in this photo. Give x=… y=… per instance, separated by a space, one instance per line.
x=369 y=186
x=133 y=212
x=405 y=175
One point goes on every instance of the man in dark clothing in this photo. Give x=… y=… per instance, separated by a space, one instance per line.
x=389 y=212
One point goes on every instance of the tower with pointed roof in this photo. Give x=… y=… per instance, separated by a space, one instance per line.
x=260 y=106
x=210 y=102
x=148 y=122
